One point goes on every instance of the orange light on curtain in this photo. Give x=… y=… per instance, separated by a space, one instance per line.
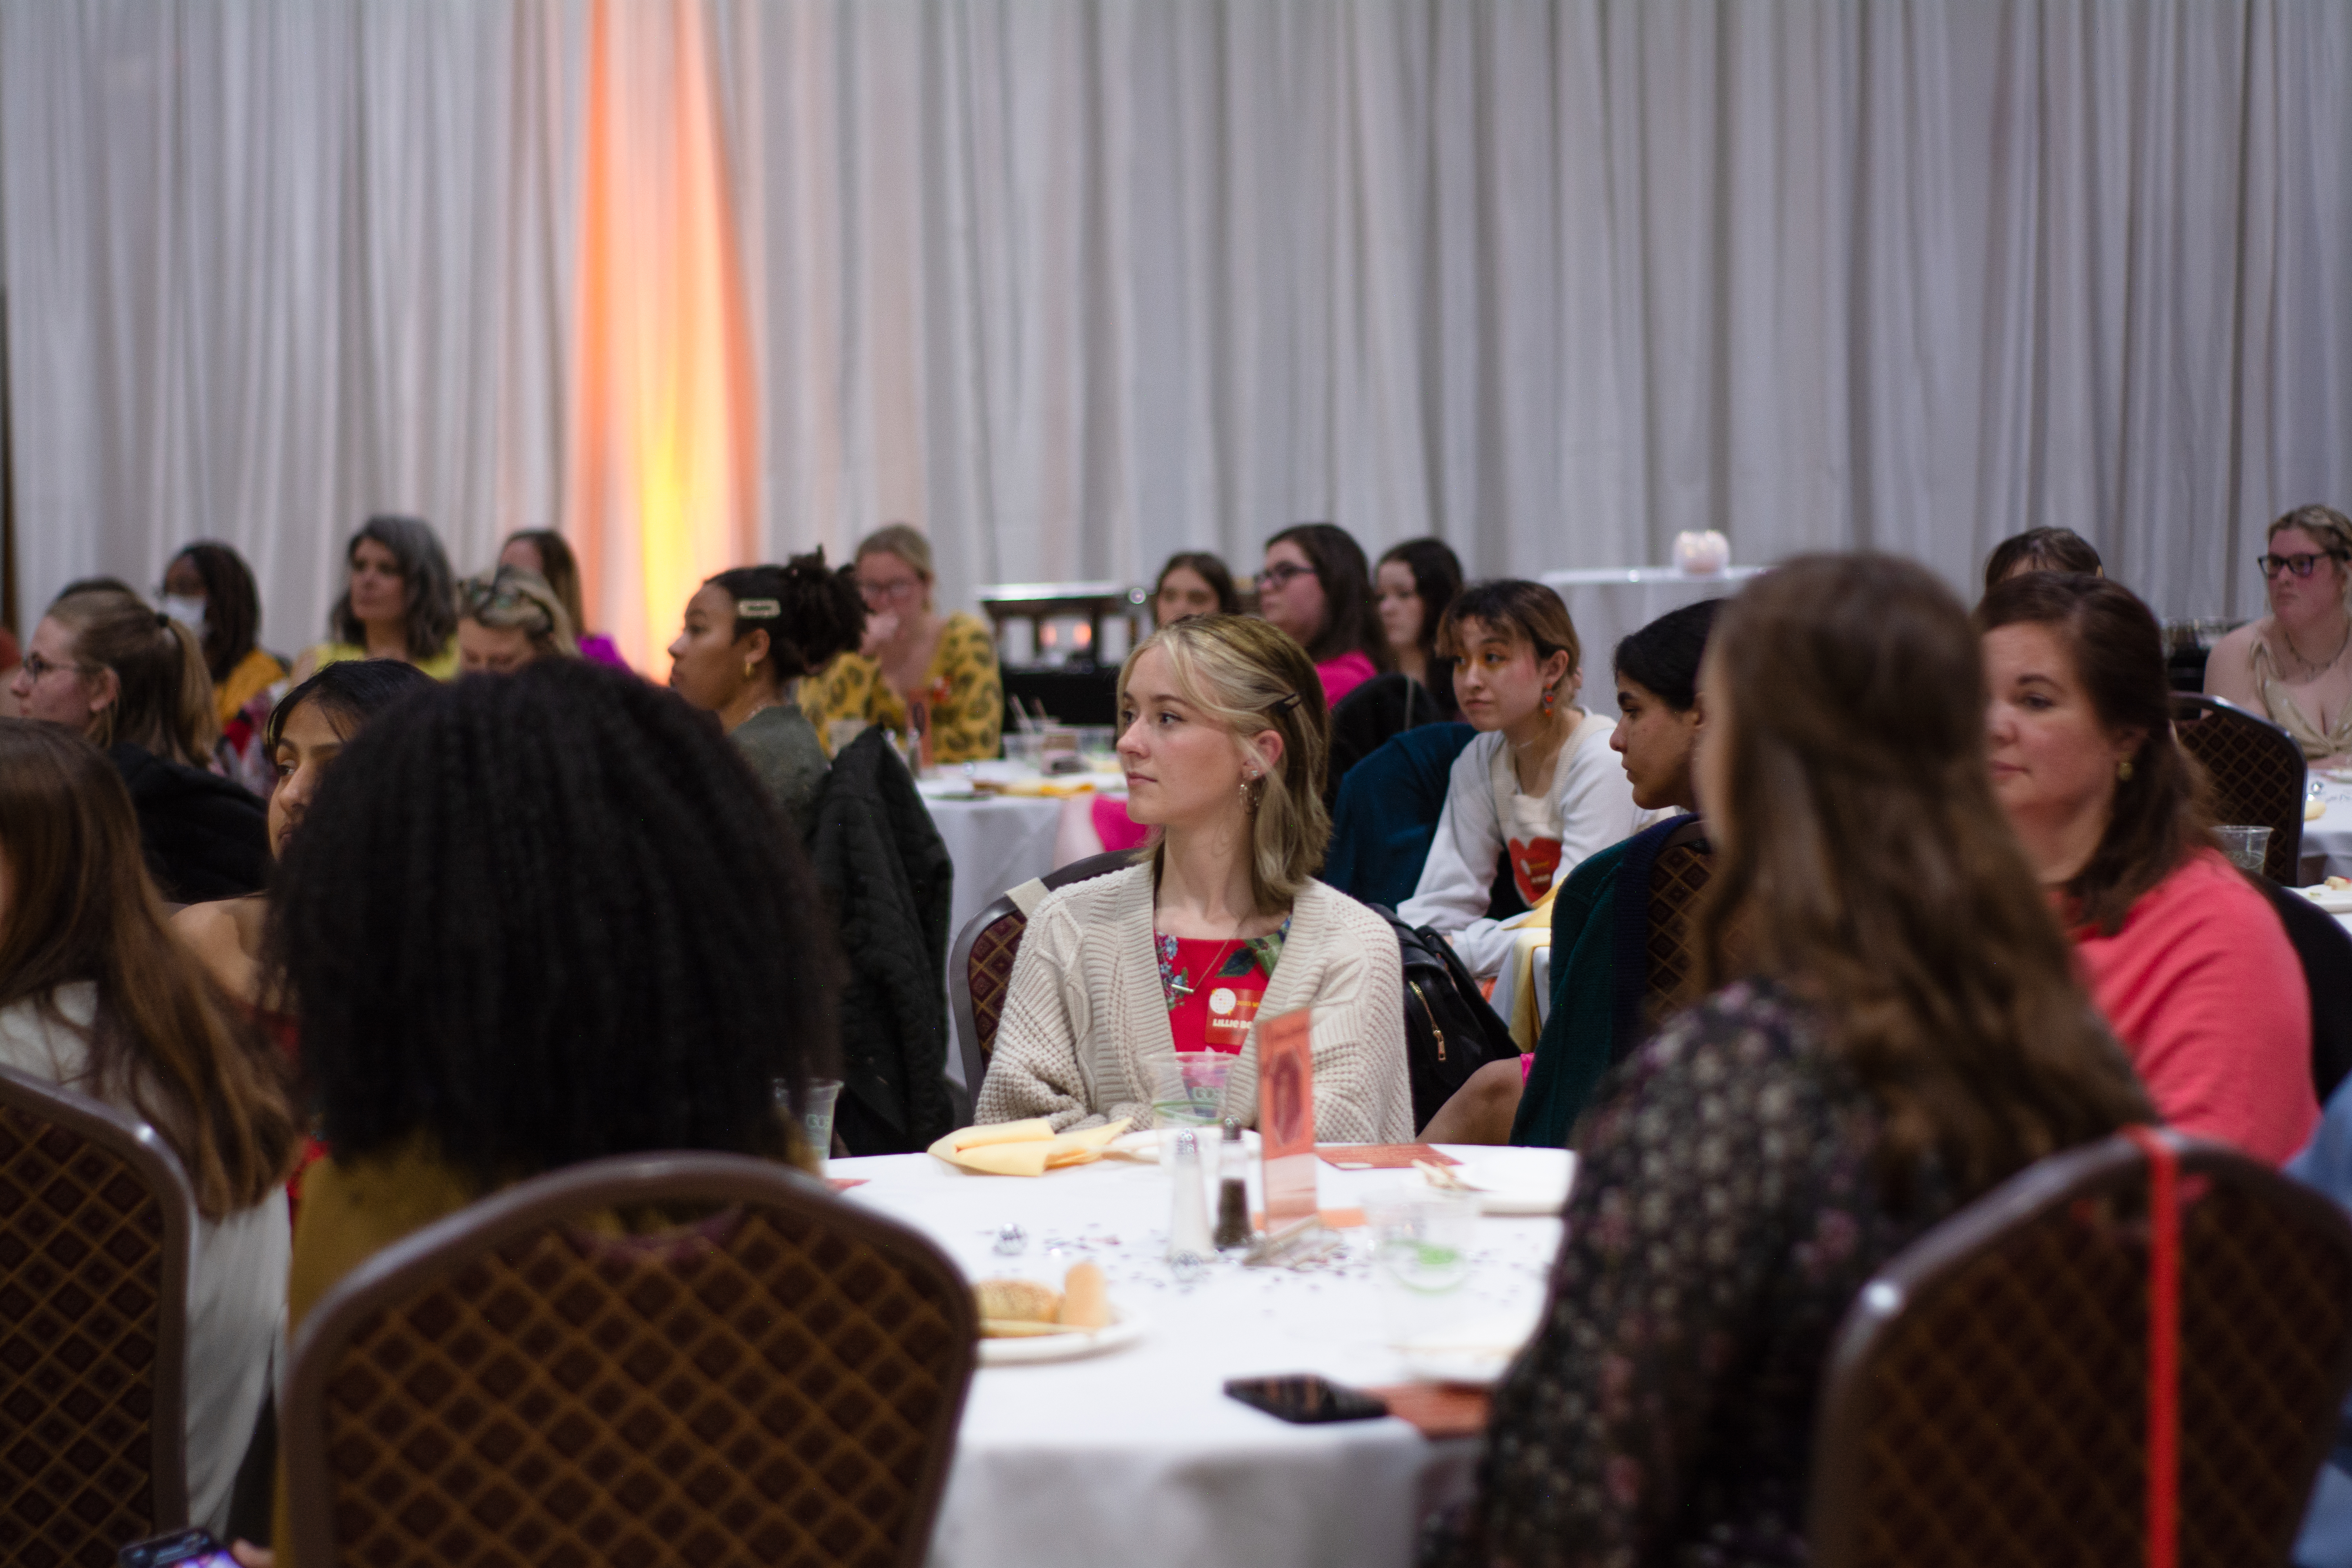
x=663 y=492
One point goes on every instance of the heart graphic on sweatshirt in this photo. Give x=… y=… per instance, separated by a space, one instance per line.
x=1532 y=865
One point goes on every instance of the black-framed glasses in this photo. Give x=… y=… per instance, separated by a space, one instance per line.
x=36 y=667
x=1283 y=573
x=2300 y=565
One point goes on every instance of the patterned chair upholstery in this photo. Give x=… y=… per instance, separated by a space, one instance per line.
x=1676 y=878
x=776 y=1384
x=2257 y=773
x=1987 y=1399
x=980 y=968
x=96 y=1226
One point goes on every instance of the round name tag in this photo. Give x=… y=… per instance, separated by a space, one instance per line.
x=1220 y=1001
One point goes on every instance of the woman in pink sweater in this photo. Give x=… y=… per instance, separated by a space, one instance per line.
x=2185 y=957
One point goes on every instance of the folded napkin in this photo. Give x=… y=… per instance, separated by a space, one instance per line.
x=1028 y=1148
x=1058 y=788
x=2314 y=809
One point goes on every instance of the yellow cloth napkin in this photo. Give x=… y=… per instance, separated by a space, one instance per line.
x=1060 y=788
x=1529 y=931
x=2314 y=809
x=1028 y=1148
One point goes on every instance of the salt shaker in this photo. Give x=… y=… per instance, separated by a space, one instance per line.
x=1188 y=1221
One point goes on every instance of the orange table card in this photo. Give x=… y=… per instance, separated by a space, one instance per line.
x=1285 y=1115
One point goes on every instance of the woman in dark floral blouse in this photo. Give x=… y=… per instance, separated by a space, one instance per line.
x=1893 y=1029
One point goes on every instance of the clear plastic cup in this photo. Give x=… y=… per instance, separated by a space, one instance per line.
x=815 y=1112
x=1423 y=1245
x=2246 y=846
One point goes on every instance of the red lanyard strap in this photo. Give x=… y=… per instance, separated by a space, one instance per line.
x=2163 y=1346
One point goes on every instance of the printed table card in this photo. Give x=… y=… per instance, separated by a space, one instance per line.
x=1285 y=1116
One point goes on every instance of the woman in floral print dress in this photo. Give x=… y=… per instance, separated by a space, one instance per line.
x=914 y=660
x=1889 y=1028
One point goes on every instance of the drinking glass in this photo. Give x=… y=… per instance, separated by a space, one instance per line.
x=815 y=1112
x=1422 y=1241
x=2245 y=847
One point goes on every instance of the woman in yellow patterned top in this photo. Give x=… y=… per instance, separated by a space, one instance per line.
x=915 y=667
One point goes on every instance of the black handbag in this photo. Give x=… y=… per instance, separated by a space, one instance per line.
x=1450 y=1030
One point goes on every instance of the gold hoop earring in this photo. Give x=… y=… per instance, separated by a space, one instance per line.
x=748 y=666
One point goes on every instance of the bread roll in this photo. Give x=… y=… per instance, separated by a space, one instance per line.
x=1018 y=1300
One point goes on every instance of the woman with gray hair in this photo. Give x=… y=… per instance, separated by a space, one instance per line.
x=399 y=601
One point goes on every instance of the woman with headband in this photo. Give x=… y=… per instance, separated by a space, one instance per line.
x=1220 y=919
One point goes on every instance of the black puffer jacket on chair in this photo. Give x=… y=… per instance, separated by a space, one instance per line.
x=885 y=871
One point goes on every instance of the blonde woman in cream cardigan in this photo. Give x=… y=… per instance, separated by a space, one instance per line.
x=1220 y=920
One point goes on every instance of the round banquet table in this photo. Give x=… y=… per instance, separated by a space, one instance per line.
x=2327 y=838
x=1137 y=1456
x=1609 y=603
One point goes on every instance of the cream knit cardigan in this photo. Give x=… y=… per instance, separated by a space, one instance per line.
x=1086 y=1021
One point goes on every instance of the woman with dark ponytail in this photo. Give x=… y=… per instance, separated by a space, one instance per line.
x=750 y=634
x=133 y=682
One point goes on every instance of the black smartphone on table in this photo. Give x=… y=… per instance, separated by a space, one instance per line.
x=181 y=1549
x=1305 y=1399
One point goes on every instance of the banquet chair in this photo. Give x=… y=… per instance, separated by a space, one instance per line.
x=980 y=969
x=2256 y=771
x=96 y=1225
x=1989 y=1397
x=1677 y=877
x=778 y=1382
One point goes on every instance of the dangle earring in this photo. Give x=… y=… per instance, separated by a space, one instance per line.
x=2124 y=771
x=748 y=666
x=1550 y=696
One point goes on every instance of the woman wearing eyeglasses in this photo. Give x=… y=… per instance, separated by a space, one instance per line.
x=1315 y=586
x=916 y=670
x=2292 y=666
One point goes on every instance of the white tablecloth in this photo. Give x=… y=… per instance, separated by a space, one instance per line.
x=1137 y=1457
x=2327 y=842
x=1606 y=605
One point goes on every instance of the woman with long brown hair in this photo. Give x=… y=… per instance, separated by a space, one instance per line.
x=2185 y=956
x=1891 y=1027
x=95 y=996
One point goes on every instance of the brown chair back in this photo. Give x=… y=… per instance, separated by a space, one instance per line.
x=979 y=966
x=95 y=1224
x=1986 y=1399
x=777 y=1384
x=2257 y=770
x=1676 y=878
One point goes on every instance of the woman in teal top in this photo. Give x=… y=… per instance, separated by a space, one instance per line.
x=1537 y=1099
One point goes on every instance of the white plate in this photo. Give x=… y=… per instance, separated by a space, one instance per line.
x=1516 y=1182
x=2335 y=901
x=1474 y=1354
x=1126 y=1327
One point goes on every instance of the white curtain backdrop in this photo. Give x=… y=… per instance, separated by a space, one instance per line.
x=1072 y=285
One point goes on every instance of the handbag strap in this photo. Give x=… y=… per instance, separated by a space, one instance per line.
x=2163 y=1345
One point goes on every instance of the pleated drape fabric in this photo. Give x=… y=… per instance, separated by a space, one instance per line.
x=1073 y=284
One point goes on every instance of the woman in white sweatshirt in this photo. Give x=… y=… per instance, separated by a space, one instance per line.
x=1538 y=780
x=1220 y=921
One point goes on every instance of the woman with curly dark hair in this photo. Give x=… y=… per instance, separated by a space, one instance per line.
x=1891 y=1025
x=751 y=635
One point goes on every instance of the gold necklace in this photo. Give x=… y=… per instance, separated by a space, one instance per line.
x=2317 y=670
